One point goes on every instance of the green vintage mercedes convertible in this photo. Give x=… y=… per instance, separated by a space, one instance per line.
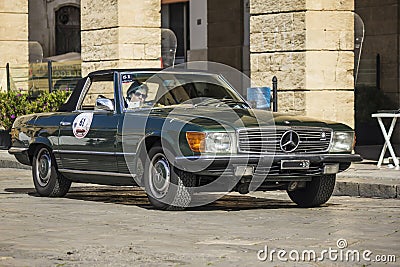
x=180 y=135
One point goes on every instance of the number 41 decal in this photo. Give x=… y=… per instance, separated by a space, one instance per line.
x=81 y=125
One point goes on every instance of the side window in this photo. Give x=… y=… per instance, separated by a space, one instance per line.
x=98 y=89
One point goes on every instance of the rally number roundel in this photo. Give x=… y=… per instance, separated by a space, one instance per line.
x=81 y=124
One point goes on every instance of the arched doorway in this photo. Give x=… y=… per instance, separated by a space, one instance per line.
x=68 y=30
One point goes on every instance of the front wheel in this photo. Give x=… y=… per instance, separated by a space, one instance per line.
x=167 y=188
x=47 y=180
x=315 y=193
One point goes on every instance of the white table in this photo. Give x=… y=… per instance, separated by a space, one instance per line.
x=387 y=135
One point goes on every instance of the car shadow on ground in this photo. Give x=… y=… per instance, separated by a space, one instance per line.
x=137 y=197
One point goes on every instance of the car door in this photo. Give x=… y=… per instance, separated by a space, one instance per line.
x=87 y=136
x=93 y=150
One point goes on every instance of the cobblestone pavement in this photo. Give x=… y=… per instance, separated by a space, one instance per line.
x=115 y=226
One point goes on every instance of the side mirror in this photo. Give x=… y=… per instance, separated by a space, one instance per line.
x=104 y=104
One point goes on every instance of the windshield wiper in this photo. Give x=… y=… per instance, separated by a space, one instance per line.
x=207 y=102
x=220 y=102
x=231 y=101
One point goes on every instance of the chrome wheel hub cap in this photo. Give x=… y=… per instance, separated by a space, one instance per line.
x=160 y=176
x=43 y=167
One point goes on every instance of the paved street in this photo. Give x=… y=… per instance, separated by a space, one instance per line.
x=100 y=226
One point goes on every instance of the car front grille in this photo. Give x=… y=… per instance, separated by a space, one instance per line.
x=268 y=140
x=275 y=170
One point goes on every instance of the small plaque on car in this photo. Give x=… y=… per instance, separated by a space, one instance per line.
x=295 y=164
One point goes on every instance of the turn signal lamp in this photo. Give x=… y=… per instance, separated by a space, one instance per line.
x=196 y=141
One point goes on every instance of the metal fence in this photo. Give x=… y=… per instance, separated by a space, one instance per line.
x=45 y=76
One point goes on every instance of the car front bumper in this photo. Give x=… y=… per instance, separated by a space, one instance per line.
x=264 y=165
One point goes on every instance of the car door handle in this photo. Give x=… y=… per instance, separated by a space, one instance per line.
x=65 y=123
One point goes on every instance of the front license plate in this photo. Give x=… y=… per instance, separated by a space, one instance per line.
x=295 y=164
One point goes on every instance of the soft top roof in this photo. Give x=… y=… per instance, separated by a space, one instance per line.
x=155 y=70
x=111 y=71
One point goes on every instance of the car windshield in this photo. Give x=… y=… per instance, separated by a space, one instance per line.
x=171 y=89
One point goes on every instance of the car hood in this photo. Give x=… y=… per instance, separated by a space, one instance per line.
x=206 y=117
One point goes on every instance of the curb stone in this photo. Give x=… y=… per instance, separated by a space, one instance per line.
x=13 y=164
x=367 y=190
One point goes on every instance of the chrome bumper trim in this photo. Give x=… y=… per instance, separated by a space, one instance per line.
x=97 y=173
x=101 y=153
x=17 y=150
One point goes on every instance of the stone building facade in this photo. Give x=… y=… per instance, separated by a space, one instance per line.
x=44 y=23
x=13 y=37
x=307 y=44
x=120 y=34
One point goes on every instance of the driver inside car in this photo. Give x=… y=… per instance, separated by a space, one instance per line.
x=136 y=95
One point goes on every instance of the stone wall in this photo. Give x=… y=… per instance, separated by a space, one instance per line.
x=308 y=45
x=13 y=40
x=120 y=34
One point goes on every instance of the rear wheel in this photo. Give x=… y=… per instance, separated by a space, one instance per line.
x=315 y=193
x=47 y=180
x=167 y=187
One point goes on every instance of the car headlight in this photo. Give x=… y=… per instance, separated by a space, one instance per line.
x=342 y=142
x=210 y=142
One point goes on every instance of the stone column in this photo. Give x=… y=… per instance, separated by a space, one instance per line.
x=308 y=45
x=14 y=42
x=120 y=34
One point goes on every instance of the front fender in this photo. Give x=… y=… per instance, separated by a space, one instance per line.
x=151 y=138
x=41 y=141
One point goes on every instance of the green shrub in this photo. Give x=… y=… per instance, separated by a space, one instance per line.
x=48 y=102
x=15 y=103
x=12 y=105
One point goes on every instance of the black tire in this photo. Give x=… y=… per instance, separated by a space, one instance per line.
x=47 y=180
x=171 y=189
x=315 y=193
